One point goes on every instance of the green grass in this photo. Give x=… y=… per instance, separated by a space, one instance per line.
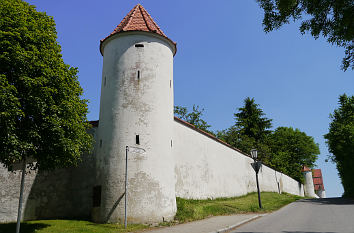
x=68 y=226
x=191 y=210
x=187 y=210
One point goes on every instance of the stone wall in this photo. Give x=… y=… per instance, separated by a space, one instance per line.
x=208 y=168
x=63 y=193
x=204 y=168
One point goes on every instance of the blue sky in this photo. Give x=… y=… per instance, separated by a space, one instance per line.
x=223 y=57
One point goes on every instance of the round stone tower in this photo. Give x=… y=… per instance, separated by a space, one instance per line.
x=308 y=182
x=136 y=110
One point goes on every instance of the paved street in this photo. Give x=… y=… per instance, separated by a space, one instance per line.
x=209 y=225
x=327 y=215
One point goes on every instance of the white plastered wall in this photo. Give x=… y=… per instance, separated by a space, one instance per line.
x=206 y=168
x=136 y=99
x=309 y=186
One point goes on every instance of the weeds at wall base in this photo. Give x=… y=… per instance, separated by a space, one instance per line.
x=187 y=211
x=191 y=210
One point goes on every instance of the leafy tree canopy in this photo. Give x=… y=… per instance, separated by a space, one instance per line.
x=194 y=117
x=235 y=138
x=340 y=141
x=331 y=19
x=41 y=113
x=285 y=149
x=291 y=149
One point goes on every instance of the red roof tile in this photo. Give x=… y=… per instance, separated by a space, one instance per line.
x=138 y=19
x=317 y=179
x=317 y=173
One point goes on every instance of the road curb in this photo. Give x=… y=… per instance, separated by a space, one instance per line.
x=238 y=224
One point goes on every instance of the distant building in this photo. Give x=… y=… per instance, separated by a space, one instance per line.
x=318 y=183
x=313 y=185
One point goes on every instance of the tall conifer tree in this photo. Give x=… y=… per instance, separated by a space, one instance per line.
x=251 y=122
x=250 y=130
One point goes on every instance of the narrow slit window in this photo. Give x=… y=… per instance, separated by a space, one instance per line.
x=171 y=142
x=139 y=45
x=101 y=143
x=105 y=81
x=137 y=140
x=170 y=83
x=138 y=75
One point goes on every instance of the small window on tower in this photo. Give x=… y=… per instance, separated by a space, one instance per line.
x=139 y=45
x=138 y=76
x=105 y=81
x=137 y=140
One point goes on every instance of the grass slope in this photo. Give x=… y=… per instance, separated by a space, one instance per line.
x=190 y=210
x=68 y=226
x=187 y=210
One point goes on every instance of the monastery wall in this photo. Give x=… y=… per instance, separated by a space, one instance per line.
x=63 y=193
x=208 y=168
x=204 y=168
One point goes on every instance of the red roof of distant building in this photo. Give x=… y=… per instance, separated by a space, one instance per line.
x=138 y=19
x=317 y=172
x=317 y=179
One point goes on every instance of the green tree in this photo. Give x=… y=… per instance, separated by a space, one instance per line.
x=194 y=117
x=250 y=130
x=331 y=19
x=42 y=116
x=340 y=141
x=250 y=121
x=291 y=149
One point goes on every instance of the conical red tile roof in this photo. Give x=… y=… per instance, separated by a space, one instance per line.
x=138 y=19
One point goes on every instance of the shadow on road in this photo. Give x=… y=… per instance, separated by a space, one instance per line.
x=329 y=201
x=25 y=227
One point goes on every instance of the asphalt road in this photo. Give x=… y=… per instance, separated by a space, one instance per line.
x=327 y=215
